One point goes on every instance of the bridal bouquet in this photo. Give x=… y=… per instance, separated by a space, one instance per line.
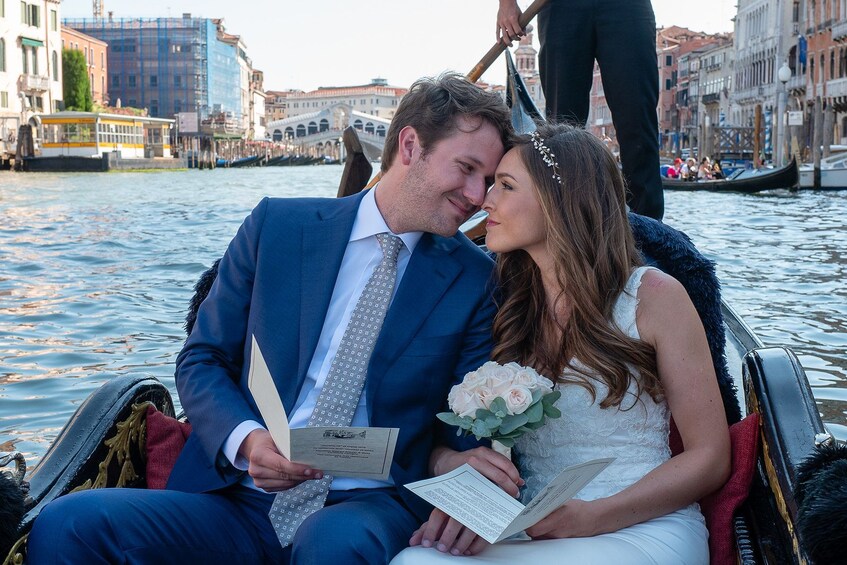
x=501 y=402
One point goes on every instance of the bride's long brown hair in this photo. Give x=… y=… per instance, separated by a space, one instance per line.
x=591 y=243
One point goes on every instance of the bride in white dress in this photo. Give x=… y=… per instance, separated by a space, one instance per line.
x=628 y=347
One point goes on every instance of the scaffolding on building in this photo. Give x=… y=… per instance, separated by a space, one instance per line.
x=168 y=65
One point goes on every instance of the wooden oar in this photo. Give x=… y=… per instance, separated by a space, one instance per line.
x=499 y=47
x=472 y=76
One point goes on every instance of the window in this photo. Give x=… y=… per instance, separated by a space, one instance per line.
x=55 y=61
x=30 y=14
x=154 y=80
x=2 y=53
x=2 y=8
x=54 y=20
x=116 y=81
x=34 y=60
x=177 y=81
x=25 y=61
x=4 y=98
x=131 y=81
x=102 y=59
x=668 y=60
x=91 y=84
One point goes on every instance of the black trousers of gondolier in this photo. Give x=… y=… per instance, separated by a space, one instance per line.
x=621 y=36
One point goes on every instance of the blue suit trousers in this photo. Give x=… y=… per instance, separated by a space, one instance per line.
x=230 y=526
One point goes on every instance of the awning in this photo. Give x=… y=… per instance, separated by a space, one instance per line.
x=31 y=42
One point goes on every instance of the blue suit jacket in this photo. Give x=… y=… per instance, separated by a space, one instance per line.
x=275 y=281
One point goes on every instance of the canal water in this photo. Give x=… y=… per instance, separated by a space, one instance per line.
x=96 y=271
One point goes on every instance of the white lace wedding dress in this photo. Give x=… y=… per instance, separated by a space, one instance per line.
x=636 y=434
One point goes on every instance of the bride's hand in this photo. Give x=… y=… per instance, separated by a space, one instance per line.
x=447 y=536
x=495 y=467
x=576 y=519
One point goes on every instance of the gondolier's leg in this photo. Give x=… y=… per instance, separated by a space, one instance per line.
x=566 y=59
x=626 y=53
x=154 y=526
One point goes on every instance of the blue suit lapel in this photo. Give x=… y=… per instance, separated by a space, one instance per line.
x=430 y=273
x=324 y=242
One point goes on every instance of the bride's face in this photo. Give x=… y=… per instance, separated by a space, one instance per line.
x=515 y=220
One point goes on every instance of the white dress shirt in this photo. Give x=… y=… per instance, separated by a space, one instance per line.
x=361 y=258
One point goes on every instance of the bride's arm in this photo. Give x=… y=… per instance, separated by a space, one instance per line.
x=666 y=319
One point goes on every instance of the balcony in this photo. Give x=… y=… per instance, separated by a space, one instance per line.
x=711 y=98
x=34 y=83
x=836 y=88
x=796 y=84
x=839 y=31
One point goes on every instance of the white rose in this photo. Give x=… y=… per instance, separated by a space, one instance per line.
x=499 y=380
x=463 y=401
x=518 y=399
x=474 y=379
x=545 y=383
x=526 y=377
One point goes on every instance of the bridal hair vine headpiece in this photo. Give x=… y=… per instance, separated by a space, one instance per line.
x=546 y=155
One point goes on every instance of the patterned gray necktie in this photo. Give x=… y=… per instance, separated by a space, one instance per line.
x=343 y=386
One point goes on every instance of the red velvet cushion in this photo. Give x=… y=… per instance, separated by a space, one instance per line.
x=720 y=506
x=165 y=438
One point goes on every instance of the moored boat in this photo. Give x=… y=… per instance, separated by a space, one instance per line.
x=833 y=173
x=742 y=181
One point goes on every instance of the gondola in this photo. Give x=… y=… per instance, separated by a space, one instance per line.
x=114 y=439
x=743 y=181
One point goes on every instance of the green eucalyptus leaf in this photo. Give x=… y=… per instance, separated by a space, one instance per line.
x=480 y=430
x=552 y=412
x=535 y=412
x=449 y=418
x=512 y=422
x=498 y=407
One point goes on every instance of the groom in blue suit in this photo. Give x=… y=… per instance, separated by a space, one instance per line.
x=291 y=277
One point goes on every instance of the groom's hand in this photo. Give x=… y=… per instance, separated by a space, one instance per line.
x=269 y=469
x=447 y=535
x=495 y=467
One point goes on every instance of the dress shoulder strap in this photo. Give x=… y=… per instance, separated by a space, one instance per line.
x=627 y=303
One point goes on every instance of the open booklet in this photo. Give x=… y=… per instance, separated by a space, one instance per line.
x=470 y=498
x=339 y=451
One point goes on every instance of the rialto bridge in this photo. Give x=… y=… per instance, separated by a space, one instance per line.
x=319 y=133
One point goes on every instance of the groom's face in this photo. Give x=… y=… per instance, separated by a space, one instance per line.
x=446 y=183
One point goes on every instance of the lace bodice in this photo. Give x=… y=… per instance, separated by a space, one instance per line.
x=635 y=433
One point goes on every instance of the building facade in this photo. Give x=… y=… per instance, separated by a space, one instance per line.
x=176 y=65
x=30 y=65
x=376 y=99
x=94 y=52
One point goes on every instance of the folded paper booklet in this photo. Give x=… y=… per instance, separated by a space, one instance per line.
x=338 y=451
x=482 y=506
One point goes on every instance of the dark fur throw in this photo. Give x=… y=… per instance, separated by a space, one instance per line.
x=11 y=512
x=201 y=290
x=821 y=494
